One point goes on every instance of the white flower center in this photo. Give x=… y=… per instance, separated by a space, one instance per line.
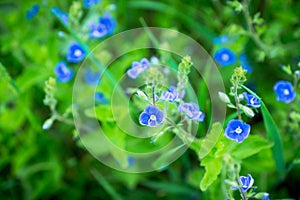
x=286 y=92
x=225 y=57
x=252 y=100
x=77 y=52
x=153 y=117
x=238 y=130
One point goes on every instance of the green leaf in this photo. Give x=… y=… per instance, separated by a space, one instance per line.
x=273 y=134
x=212 y=170
x=211 y=140
x=252 y=145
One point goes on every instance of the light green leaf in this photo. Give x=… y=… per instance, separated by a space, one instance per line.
x=211 y=140
x=212 y=170
x=250 y=146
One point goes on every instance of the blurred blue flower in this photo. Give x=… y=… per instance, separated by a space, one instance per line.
x=109 y=23
x=63 y=17
x=100 y=98
x=244 y=63
x=251 y=100
x=97 y=31
x=170 y=95
x=191 y=110
x=284 y=91
x=266 y=196
x=104 y=27
x=90 y=3
x=223 y=39
x=92 y=77
x=247 y=182
x=137 y=68
x=63 y=73
x=75 y=53
x=237 y=130
x=224 y=57
x=33 y=11
x=151 y=116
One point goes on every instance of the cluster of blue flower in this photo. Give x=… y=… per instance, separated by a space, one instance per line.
x=152 y=115
x=76 y=52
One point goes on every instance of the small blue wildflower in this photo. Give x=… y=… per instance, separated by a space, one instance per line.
x=245 y=64
x=33 y=11
x=284 y=91
x=63 y=17
x=251 y=100
x=97 y=31
x=224 y=57
x=237 y=130
x=247 y=182
x=266 y=196
x=75 y=53
x=223 y=39
x=100 y=98
x=170 y=95
x=138 y=67
x=91 y=77
x=192 y=111
x=109 y=23
x=90 y=3
x=63 y=73
x=151 y=116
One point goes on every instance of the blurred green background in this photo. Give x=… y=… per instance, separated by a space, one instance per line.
x=38 y=164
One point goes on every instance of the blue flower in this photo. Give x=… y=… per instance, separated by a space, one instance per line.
x=100 y=98
x=251 y=100
x=223 y=39
x=90 y=3
x=247 y=182
x=151 y=116
x=192 y=111
x=245 y=64
x=63 y=17
x=75 y=53
x=91 y=77
x=170 y=95
x=284 y=91
x=109 y=23
x=224 y=57
x=237 y=130
x=137 y=68
x=33 y=11
x=63 y=73
x=266 y=196
x=98 y=31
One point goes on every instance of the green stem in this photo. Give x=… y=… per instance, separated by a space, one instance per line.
x=240 y=189
x=251 y=30
x=237 y=101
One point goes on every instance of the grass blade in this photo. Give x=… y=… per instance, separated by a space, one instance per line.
x=106 y=186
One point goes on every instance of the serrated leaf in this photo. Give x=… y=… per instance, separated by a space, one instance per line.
x=251 y=146
x=211 y=140
x=212 y=170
